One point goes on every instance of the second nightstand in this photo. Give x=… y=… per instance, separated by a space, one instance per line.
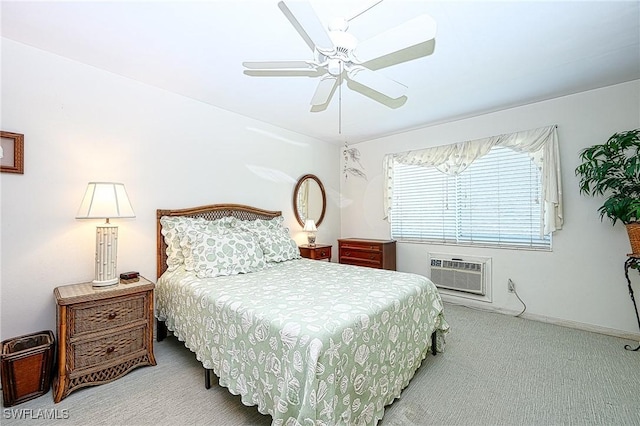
x=318 y=252
x=103 y=333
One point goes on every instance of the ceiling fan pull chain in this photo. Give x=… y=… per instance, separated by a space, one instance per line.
x=340 y=100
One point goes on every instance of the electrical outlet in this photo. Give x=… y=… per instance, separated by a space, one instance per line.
x=511 y=286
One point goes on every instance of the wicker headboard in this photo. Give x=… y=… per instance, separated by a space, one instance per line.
x=210 y=212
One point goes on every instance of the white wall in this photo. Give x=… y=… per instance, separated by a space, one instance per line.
x=582 y=280
x=82 y=124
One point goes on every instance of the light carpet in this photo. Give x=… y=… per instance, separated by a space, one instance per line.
x=496 y=370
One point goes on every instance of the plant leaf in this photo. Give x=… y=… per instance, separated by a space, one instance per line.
x=613 y=169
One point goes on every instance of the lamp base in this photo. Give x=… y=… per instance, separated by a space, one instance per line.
x=106 y=255
x=311 y=240
x=105 y=283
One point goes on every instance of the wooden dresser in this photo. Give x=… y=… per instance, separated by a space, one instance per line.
x=379 y=254
x=103 y=333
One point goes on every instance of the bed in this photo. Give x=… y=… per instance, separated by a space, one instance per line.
x=307 y=342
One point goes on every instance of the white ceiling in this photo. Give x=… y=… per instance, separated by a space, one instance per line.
x=489 y=55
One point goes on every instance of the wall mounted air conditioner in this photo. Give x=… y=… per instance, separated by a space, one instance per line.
x=460 y=273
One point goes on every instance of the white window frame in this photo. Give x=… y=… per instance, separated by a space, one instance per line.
x=541 y=145
x=473 y=207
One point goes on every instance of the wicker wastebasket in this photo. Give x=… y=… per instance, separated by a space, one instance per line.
x=26 y=367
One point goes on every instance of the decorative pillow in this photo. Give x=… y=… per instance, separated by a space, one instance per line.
x=172 y=229
x=221 y=252
x=274 y=238
x=175 y=227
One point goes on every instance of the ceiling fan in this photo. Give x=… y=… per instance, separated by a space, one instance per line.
x=337 y=54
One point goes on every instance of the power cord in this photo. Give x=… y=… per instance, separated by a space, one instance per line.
x=512 y=287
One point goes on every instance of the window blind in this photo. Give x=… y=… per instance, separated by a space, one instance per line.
x=495 y=201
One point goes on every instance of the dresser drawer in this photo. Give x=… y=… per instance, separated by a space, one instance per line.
x=361 y=262
x=364 y=246
x=86 y=353
x=104 y=315
x=373 y=256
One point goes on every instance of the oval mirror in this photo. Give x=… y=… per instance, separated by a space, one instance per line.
x=309 y=199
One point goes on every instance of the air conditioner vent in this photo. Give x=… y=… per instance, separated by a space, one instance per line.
x=458 y=274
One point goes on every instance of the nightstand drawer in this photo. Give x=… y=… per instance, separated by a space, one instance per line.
x=324 y=253
x=317 y=252
x=101 y=315
x=110 y=347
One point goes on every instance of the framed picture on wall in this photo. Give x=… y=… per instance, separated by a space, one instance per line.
x=12 y=154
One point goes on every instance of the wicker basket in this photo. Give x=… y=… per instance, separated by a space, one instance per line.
x=633 y=229
x=26 y=367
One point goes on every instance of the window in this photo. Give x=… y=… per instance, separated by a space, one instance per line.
x=495 y=201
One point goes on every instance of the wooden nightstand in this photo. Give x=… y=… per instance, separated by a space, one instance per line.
x=103 y=333
x=318 y=252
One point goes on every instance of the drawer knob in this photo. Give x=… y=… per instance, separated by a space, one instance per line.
x=110 y=349
x=372 y=256
x=112 y=315
x=323 y=253
x=347 y=253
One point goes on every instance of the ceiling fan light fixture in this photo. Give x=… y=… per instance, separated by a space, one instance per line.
x=334 y=67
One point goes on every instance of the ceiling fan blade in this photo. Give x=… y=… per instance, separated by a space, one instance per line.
x=399 y=56
x=377 y=82
x=360 y=11
x=306 y=22
x=413 y=32
x=325 y=88
x=279 y=65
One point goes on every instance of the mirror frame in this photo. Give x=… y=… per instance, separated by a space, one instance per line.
x=295 y=197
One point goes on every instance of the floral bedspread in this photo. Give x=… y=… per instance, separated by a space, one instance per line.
x=308 y=342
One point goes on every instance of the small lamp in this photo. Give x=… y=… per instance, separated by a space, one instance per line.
x=310 y=229
x=105 y=200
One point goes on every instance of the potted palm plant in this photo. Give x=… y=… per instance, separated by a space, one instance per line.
x=612 y=169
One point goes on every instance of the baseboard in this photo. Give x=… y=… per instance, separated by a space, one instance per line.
x=582 y=326
x=550 y=320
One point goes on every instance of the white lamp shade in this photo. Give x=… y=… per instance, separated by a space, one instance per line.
x=104 y=200
x=310 y=225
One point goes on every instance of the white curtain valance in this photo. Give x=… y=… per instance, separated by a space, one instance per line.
x=541 y=144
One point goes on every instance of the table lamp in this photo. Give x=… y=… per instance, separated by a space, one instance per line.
x=310 y=229
x=105 y=200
